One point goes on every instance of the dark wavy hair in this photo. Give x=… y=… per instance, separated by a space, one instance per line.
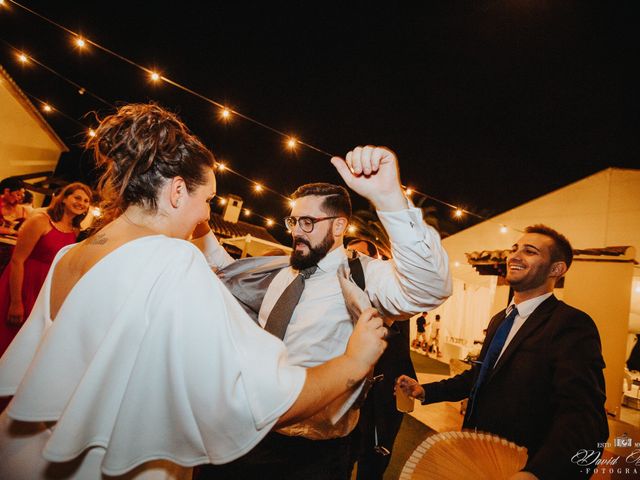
x=336 y=198
x=56 y=209
x=140 y=147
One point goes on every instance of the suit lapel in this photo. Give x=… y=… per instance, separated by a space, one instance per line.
x=539 y=316
x=248 y=279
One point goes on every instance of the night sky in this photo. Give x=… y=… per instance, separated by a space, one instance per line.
x=488 y=104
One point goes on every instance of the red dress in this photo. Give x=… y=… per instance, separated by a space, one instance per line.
x=36 y=268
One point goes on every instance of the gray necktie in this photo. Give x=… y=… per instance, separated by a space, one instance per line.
x=280 y=315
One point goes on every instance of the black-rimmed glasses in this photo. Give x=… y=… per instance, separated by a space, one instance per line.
x=306 y=223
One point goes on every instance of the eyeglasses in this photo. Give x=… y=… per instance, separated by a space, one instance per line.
x=306 y=223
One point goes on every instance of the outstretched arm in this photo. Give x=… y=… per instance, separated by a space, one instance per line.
x=417 y=277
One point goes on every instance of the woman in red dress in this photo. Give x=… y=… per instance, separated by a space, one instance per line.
x=39 y=239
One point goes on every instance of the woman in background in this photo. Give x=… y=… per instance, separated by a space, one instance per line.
x=39 y=240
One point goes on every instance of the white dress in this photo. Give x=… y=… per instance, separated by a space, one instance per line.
x=150 y=363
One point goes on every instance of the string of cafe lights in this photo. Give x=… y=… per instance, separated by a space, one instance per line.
x=48 y=108
x=225 y=112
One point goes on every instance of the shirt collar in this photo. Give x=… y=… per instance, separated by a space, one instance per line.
x=333 y=260
x=527 y=307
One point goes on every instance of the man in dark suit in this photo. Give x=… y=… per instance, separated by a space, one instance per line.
x=539 y=380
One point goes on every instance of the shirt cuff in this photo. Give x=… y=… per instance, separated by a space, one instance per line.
x=406 y=226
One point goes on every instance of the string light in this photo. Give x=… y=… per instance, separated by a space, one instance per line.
x=225 y=113
x=292 y=203
x=221 y=167
x=247 y=212
x=223 y=201
x=92 y=132
x=270 y=222
x=503 y=229
x=352 y=229
x=291 y=142
x=47 y=108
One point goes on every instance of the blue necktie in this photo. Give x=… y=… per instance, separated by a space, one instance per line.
x=493 y=352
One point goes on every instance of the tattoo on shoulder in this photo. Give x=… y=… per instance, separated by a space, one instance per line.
x=351 y=383
x=98 y=239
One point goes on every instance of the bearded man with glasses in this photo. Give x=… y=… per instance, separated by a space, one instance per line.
x=300 y=299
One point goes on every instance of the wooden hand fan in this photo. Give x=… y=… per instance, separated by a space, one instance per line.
x=464 y=456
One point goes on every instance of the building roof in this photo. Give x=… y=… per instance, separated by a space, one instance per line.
x=224 y=229
x=29 y=107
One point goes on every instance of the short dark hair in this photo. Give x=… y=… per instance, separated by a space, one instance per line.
x=336 y=198
x=28 y=197
x=56 y=209
x=561 y=251
x=140 y=147
x=12 y=184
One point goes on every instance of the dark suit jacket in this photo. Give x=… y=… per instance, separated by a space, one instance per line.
x=545 y=393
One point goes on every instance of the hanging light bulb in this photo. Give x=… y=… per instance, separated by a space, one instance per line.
x=458 y=213
x=257 y=187
x=221 y=167
x=503 y=229
x=292 y=142
x=292 y=203
x=408 y=192
x=155 y=76
x=223 y=201
x=225 y=113
x=47 y=108
x=80 y=42
x=91 y=132
x=269 y=222
x=23 y=58
x=247 y=212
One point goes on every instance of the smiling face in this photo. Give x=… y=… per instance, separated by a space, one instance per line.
x=77 y=203
x=530 y=269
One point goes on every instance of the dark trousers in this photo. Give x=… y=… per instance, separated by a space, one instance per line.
x=280 y=457
x=365 y=450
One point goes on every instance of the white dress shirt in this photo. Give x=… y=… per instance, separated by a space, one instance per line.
x=415 y=280
x=525 y=309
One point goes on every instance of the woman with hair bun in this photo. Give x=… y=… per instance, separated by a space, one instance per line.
x=39 y=240
x=136 y=362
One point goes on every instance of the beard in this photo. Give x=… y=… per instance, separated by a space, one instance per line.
x=534 y=279
x=299 y=260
